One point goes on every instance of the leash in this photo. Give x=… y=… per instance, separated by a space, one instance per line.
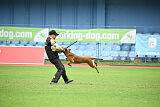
x=71 y=44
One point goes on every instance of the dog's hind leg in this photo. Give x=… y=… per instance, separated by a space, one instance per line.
x=97 y=69
x=93 y=65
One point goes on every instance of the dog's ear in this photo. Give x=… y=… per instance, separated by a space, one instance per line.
x=65 y=49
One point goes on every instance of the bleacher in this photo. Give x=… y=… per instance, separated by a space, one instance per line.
x=81 y=49
x=21 y=43
x=106 y=51
x=115 y=51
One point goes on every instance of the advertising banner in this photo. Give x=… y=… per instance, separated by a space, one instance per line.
x=86 y=35
x=97 y=35
x=148 y=45
x=21 y=55
x=23 y=34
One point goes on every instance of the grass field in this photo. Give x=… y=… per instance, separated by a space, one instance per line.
x=117 y=63
x=28 y=86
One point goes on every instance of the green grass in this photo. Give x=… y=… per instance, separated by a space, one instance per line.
x=28 y=86
x=118 y=63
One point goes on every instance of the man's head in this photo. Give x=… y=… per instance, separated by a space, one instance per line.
x=53 y=34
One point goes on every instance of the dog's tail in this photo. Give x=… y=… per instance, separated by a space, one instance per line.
x=96 y=59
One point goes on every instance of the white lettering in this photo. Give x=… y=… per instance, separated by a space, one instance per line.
x=79 y=36
x=93 y=35
x=97 y=36
x=1 y=33
x=88 y=35
x=10 y=35
x=109 y=35
x=104 y=36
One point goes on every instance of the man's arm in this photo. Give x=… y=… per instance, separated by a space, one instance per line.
x=57 y=48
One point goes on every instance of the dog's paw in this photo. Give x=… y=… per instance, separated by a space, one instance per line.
x=70 y=65
x=96 y=64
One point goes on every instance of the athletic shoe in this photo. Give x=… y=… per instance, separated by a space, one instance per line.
x=68 y=81
x=53 y=82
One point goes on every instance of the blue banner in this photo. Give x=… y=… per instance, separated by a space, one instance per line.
x=148 y=44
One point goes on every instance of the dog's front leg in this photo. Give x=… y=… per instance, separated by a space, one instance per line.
x=69 y=64
x=71 y=59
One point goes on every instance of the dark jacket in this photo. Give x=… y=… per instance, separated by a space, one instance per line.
x=51 y=54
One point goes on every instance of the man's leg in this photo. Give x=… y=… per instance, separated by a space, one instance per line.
x=65 y=78
x=61 y=70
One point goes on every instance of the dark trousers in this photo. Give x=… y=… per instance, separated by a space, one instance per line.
x=60 y=70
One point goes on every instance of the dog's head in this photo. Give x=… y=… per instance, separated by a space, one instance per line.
x=66 y=51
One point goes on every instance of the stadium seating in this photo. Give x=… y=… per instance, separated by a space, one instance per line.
x=115 y=53
x=94 y=54
x=119 y=44
x=16 y=43
x=107 y=51
x=132 y=55
x=62 y=56
x=73 y=48
x=23 y=43
x=116 y=48
x=40 y=44
x=108 y=58
x=91 y=46
x=5 y=43
x=2 y=43
x=125 y=48
x=65 y=43
x=79 y=53
x=123 y=53
x=32 y=43
x=90 y=53
x=83 y=43
x=81 y=47
x=133 y=48
x=139 y=34
x=156 y=34
x=106 y=47
x=147 y=34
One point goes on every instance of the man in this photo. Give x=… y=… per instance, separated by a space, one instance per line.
x=52 y=50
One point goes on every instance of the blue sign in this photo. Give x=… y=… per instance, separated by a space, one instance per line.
x=147 y=44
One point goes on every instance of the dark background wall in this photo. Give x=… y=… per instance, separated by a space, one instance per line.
x=144 y=15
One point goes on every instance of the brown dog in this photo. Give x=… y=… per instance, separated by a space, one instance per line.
x=78 y=59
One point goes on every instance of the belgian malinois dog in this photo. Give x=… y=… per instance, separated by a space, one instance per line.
x=78 y=59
